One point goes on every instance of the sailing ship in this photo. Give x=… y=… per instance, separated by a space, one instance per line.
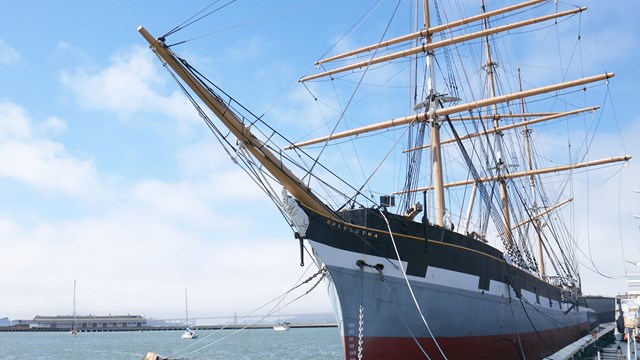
x=443 y=285
x=74 y=324
x=188 y=332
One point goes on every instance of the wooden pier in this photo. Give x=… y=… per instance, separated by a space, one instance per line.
x=586 y=345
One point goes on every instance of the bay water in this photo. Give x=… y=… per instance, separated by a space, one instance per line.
x=312 y=343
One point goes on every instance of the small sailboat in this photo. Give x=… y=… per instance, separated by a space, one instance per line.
x=282 y=326
x=74 y=325
x=188 y=332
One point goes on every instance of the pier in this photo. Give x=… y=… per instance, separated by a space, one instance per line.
x=587 y=345
x=600 y=345
x=26 y=328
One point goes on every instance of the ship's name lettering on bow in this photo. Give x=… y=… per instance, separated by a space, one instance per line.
x=343 y=227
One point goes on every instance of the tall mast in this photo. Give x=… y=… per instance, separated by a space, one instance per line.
x=532 y=184
x=438 y=181
x=500 y=164
x=186 y=308
x=73 y=325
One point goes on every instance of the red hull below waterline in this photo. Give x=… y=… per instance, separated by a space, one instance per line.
x=511 y=346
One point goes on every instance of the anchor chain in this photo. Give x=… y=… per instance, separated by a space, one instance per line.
x=322 y=270
x=361 y=312
x=378 y=267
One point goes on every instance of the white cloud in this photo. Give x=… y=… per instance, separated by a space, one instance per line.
x=130 y=260
x=209 y=229
x=47 y=165
x=13 y=122
x=8 y=55
x=128 y=85
x=124 y=86
x=54 y=125
x=39 y=162
x=216 y=173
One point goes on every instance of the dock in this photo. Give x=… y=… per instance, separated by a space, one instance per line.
x=585 y=345
x=23 y=328
x=599 y=345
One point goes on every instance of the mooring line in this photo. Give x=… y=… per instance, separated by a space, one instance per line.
x=415 y=301
x=322 y=271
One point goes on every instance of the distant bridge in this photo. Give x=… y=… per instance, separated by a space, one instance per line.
x=236 y=318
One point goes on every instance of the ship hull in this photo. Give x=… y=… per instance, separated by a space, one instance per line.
x=473 y=302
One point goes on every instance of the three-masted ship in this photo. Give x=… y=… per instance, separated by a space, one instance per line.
x=406 y=286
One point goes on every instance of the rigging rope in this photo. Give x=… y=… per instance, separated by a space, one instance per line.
x=353 y=28
x=395 y=307
x=254 y=171
x=353 y=94
x=322 y=272
x=512 y=251
x=206 y=82
x=415 y=301
x=189 y=21
x=513 y=315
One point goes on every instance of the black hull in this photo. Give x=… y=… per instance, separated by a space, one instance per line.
x=467 y=290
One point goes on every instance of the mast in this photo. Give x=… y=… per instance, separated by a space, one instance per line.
x=186 y=308
x=467 y=218
x=73 y=325
x=436 y=154
x=537 y=224
x=499 y=161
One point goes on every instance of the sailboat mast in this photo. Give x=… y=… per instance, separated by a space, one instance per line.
x=74 y=300
x=532 y=184
x=500 y=164
x=73 y=325
x=438 y=180
x=186 y=307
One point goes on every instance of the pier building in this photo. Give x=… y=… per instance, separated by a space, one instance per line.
x=90 y=323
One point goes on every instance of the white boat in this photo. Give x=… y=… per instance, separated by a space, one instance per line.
x=74 y=326
x=188 y=333
x=283 y=326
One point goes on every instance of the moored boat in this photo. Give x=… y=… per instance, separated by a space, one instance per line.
x=435 y=287
x=282 y=326
x=188 y=332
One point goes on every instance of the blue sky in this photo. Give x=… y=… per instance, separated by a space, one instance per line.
x=107 y=175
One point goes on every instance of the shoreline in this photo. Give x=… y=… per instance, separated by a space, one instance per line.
x=26 y=328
